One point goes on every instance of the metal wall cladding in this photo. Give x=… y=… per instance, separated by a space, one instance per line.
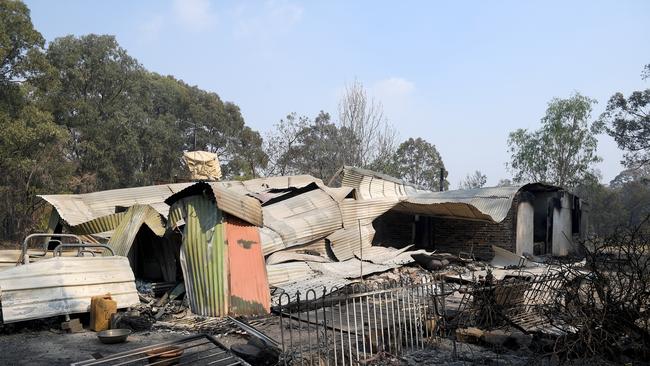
x=345 y=242
x=279 y=274
x=366 y=211
x=303 y=218
x=204 y=256
x=75 y=209
x=249 y=286
x=64 y=285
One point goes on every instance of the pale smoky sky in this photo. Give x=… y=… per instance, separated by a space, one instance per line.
x=459 y=74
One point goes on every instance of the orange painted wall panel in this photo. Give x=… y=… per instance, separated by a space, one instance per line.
x=249 y=286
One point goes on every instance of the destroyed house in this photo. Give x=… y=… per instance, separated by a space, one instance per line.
x=232 y=241
x=533 y=219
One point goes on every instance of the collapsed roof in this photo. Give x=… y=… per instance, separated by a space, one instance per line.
x=310 y=233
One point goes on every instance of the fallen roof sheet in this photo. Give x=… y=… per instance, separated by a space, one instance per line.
x=351 y=268
x=233 y=201
x=282 y=273
x=345 y=241
x=303 y=218
x=387 y=255
x=287 y=256
x=370 y=184
x=491 y=203
x=76 y=209
x=64 y=285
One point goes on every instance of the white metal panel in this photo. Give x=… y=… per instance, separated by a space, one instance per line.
x=64 y=285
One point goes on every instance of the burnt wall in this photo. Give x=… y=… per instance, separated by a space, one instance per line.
x=454 y=236
x=393 y=229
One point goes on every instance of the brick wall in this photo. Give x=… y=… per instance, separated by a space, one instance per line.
x=393 y=229
x=453 y=236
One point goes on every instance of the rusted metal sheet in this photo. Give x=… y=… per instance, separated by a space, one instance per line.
x=249 y=286
x=76 y=209
x=204 y=256
x=64 y=285
x=345 y=242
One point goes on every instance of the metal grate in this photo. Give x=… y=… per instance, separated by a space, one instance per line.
x=196 y=350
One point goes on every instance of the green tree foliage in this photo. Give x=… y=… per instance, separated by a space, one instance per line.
x=129 y=126
x=417 y=161
x=475 y=180
x=31 y=144
x=623 y=204
x=628 y=121
x=83 y=115
x=300 y=145
x=21 y=57
x=562 y=152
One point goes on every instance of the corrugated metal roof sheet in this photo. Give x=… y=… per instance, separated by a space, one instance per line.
x=204 y=258
x=350 y=268
x=249 y=286
x=364 y=210
x=64 y=285
x=282 y=273
x=369 y=184
x=303 y=218
x=490 y=203
x=389 y=256
x=345 y=241
x=271 y=241
x=229 y=197
x=317 y=247
x=287 y=256
x=124 y=234
x=75 y=209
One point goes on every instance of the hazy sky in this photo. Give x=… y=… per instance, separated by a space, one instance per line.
x=460 y=74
